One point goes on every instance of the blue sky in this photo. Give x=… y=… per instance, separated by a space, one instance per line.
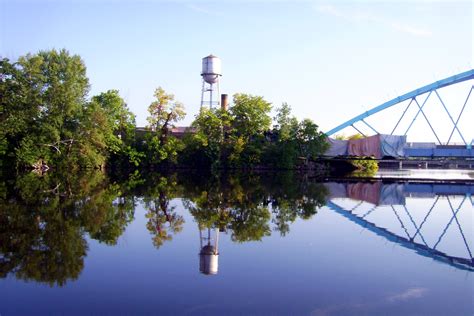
x=329 y=60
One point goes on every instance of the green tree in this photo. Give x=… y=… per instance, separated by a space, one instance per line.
x=311 y=142
x=286 y=123
x=205 y=146
x=250 y=119
x=292 y=140
x=117 y=127
x=43 y=113
x=250 y=115
x=164 y=113
x=283 y=151
x=45 y=117
x=16 y=114
x=57 y=87
x=120 y=121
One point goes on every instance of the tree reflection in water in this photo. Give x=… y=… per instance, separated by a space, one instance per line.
x=45 y=219
x=163 y=221
x=248 y=205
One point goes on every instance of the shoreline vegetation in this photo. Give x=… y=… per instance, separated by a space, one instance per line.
x=50 y=123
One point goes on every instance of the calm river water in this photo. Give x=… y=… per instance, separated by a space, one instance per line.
x=188 y=244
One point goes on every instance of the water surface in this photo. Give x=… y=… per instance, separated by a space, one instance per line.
x=255 y=244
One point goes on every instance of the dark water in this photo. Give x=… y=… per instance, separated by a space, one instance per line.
x=256 y=244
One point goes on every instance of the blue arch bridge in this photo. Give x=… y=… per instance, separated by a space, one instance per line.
x=447 y=124
x=433 y=220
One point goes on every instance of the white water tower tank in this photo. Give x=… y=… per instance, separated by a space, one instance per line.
x=211 y=69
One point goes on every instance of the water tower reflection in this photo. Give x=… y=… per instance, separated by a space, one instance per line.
x=209 y=253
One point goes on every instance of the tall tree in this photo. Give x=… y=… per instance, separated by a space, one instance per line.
x=164 y=112
x=120 y=121
x=286 y=123
x=115 y=125
x=311 y=142
x=15 y=113
x=46 y=95
x=207 y=143
x=251 y=115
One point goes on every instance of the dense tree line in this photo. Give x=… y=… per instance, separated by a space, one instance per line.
x=47 y=120
x=238 y=137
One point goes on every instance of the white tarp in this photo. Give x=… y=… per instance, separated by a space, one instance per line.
x=392 y=145
x=337 y=147
x=365 y=147
x=377 y=146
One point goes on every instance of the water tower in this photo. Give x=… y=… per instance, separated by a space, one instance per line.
x=211 y=71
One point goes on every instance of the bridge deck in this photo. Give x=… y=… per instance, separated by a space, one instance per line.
x=427 y=163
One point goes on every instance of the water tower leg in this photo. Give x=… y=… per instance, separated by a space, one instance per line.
x=210 y=101
x=218 y=94
x=202 y=93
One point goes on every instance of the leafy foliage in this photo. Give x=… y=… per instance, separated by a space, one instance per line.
x=164 y=112
x=241 y=138
x=251 y=115
x=47 y=121
x=45 y=116
x=365 y=167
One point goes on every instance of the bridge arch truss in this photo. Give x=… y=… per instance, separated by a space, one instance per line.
x=418 y=99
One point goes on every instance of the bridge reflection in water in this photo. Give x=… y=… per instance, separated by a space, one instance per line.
x=435 y=220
